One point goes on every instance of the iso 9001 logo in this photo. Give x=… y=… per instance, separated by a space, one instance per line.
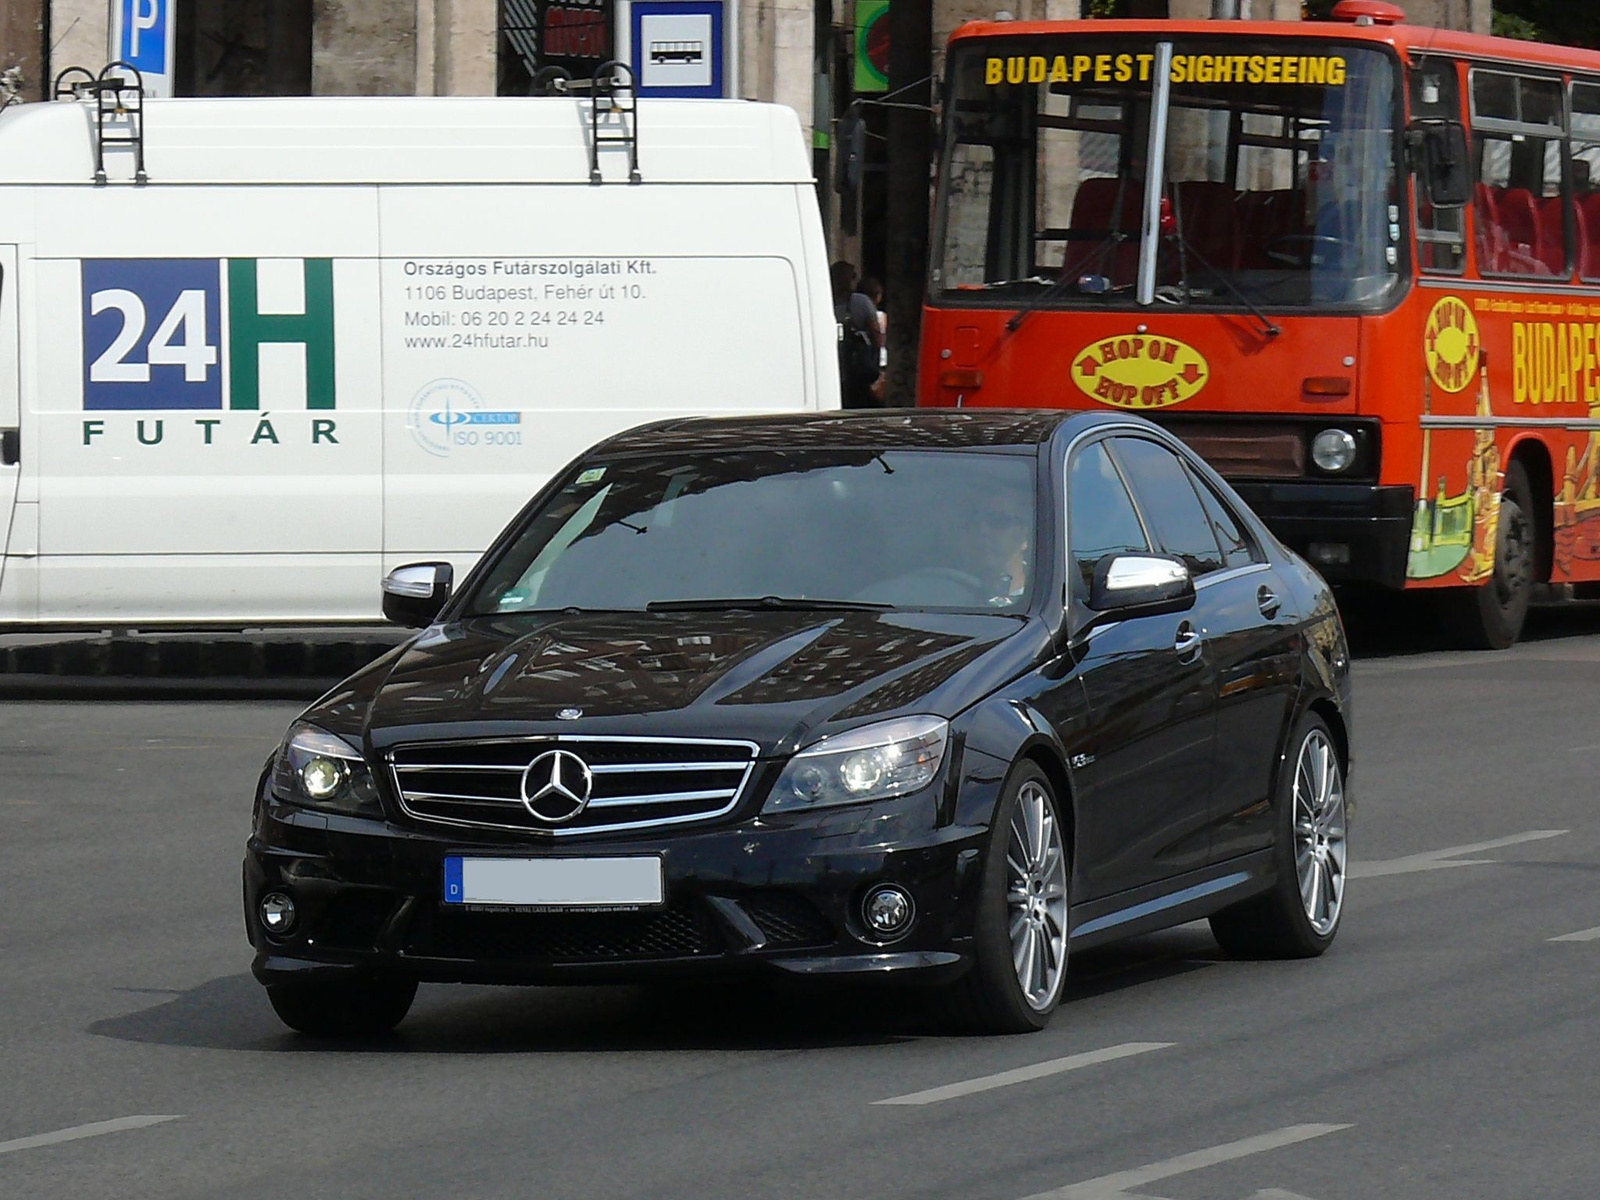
x=448 y=415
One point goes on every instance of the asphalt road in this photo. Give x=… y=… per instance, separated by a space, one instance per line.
x=1445 y=1047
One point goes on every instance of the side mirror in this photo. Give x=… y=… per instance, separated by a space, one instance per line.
x=1440 y=157
x=1139 y=585
x=414 y=594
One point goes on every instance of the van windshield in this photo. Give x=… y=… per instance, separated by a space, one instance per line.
x=894 y=529
x=1279 y=184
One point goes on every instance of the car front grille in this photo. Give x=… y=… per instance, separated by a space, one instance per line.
x=633 y=783
x=681 y=930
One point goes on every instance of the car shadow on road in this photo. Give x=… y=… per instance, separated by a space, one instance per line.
x=231 y=1013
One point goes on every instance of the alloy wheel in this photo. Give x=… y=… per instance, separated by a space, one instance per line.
x=1036 y=897
x=1319 y=832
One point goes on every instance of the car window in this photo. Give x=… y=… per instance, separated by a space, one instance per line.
x=1169 y=504
x=909 y=529
x=1101 y=517
x=1239 y=549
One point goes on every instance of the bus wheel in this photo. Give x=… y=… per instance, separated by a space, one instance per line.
x=1491 y=617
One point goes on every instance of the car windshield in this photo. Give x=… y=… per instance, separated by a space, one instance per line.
x=1279 y=184
x=893 y=529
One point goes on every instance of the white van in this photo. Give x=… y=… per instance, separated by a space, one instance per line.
x=327 y=336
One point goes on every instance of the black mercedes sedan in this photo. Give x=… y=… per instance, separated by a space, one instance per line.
x=938 y=695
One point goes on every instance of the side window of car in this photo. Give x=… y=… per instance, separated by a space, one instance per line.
x=1101 y=518
x=1168 y=501
x=1239 y=549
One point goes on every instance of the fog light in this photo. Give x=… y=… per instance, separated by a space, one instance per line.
x=888 y=910
x=1333 y=450
x=1329 y=554
x=277 y=913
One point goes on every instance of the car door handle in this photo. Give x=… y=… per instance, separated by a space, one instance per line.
x=1187 y=644
x=1268 y=602
x=10 y=447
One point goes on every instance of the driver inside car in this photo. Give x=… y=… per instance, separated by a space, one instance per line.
x=1002 y=530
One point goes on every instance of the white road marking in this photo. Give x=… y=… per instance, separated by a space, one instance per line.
x=1116 y=1187
x=1439 y=860
x=1054 y=1066
x=1583 y=935
x=82 y=1131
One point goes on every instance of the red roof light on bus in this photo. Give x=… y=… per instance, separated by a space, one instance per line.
x=1376 y=12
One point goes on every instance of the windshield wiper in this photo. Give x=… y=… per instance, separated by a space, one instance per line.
x=1269 y=329
x=991 y=285
x=1067 y=282
x=782 y=603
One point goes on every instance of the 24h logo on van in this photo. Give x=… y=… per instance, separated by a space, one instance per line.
x=1452 y=344
x=154 y=330
x=1140 y=371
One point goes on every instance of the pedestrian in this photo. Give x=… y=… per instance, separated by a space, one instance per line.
x=860 y=338
x=872 y=289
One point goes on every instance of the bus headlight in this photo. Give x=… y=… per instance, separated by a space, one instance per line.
x=1333 y=450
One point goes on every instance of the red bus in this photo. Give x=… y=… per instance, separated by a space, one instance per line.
x=1355 y=264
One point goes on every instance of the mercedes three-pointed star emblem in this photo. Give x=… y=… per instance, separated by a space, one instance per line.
x=556 y=786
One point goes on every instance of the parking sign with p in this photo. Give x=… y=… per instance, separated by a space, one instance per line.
x=142 y=35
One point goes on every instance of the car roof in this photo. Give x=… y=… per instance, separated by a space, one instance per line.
x=909 y=428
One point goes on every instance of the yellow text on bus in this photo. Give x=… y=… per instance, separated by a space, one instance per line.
x=1326 y=70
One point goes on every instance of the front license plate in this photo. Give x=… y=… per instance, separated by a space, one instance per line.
x=554 y=882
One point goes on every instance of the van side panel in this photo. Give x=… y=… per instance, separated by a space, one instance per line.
x=520 y=327
x=209 y=443
x=10 y=409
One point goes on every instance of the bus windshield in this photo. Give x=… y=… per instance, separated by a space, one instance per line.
x=1279 y=186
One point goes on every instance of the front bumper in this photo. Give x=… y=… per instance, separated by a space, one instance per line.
x=1371 y=522
x=777 y=894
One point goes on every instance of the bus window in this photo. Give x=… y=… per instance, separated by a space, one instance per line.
x=969 y=175
x=1441 y=233
x=1279 y=185
x=1518 y=204
x=1038 y=178
x=1586 y=175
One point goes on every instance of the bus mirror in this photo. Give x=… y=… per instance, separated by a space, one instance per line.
x=1441 y=160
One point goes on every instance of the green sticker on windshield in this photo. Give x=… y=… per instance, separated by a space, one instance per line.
x=592 y=475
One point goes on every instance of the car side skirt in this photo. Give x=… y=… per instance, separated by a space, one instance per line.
x=1175 y=901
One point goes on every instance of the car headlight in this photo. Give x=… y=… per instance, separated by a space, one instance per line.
x=1333 y=450
x=876 y=762
x=316 y=768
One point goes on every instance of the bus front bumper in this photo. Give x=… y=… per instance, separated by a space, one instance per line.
x=1354 y=533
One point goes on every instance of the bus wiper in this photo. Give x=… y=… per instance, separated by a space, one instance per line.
x=1269 y=329
x=993 y=285
x=1066 y=282
x=780 y=603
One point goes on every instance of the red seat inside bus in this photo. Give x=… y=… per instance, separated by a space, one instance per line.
x=1518 y=233
x=1588 y=211
x=1208 y=218
x=1227 y=228
x=1105 y=205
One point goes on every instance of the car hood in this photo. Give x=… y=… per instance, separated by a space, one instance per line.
x=779 y=679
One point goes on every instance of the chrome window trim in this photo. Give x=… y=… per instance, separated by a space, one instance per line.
x=1230 y=573
x=734 y=795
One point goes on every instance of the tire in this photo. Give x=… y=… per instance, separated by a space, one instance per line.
x=1491 y=617
x=357 y=1008
x=1287 y=922
x=993 y=997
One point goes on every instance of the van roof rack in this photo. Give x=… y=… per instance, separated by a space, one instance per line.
x=612 y=89
x=117 y=97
